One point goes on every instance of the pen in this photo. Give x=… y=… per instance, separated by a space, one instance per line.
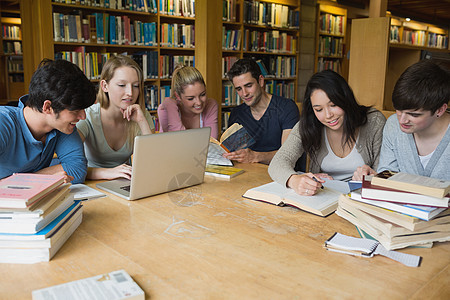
x=315 y=179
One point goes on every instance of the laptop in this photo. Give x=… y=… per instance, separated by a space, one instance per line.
x=163 y=162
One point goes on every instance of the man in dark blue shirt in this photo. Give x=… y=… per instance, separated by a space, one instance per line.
x=268 y=118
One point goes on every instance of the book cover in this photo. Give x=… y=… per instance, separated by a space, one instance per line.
x=412 y=183
x=236 y=137
x=20 y=190
x=375 y=192
x=118 y=283
x=222 y=171
x=322 y=204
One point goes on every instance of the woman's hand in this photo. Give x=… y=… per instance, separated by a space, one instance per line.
x=361 y=171
x=135 y=114
x=121 y=171
x=305 y=184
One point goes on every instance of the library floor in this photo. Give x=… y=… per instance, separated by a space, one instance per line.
x=207 y=242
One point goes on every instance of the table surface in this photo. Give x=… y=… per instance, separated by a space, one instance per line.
x=207 y=242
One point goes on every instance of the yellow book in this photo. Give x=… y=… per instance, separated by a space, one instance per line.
x=222 y=171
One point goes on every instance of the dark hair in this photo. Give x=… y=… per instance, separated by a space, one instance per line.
x=242 y=66
x=61 y=82
x=424 y=85
x=340 y=93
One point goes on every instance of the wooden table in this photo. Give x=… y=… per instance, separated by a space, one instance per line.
x=207 y=242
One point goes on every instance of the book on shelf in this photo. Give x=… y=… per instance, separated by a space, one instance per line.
x=21 y=190
x=418 y=211
x=112 y=285
x=322 y=204
x=375 y=192
x=225 y=172
x=390 y=235
x=412 y=183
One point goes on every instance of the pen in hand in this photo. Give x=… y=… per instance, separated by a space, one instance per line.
x=315 y=179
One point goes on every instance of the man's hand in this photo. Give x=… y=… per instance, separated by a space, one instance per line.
x=243 y=156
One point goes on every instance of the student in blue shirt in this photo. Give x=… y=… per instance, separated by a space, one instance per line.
x=268 y=118
x=44 y=123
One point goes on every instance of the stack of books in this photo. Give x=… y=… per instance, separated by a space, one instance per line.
x=37 y=216
x=399 y=210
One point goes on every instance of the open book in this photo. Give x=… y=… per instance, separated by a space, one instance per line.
x=322 y=204
x=236 y=137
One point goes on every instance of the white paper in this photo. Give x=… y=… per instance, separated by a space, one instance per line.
x=84 y=192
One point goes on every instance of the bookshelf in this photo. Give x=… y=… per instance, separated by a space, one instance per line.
x=381 y=49
x=158 y=35
x=268 y=32
x=12 y=83
x=330 y=38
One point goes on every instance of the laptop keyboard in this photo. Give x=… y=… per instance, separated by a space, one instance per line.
x=126 y=188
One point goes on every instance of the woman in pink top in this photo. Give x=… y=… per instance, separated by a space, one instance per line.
x=188 y=107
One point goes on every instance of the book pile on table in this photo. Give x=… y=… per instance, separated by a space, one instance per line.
x=37 y=216
x=399 y=210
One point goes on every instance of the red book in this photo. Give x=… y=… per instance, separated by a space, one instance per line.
x=23 y=189
x=374 y=192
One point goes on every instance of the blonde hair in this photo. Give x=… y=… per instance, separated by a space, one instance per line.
x=108 y=71
x=183 y=76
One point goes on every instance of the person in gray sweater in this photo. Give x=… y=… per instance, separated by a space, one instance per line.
x=417 y=139
x=337 y=133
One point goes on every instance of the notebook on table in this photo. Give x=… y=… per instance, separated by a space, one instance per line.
x=163 y=162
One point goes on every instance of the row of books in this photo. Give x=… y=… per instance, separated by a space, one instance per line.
x=11 y=32
x=229 y=11
x=277 y=67
x=229 y=95
x=151 y=97
x=227 y=63
x=225 y=120
x=177 y=35
x=168 y=63
x=91 y=63
x=133 y=5
x=15 y=64
x=418 y=37
x=231 y=39
x=270 y=14
x=399 y=210
x=269 y=41
x=12 y=47
x=182 y=8
x=328 y=64
x=38 y=214
x=331 y=24
x=102 y=28
x=330 y=46
x=281 y=88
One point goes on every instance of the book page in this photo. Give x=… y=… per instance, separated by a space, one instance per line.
x=215 y=157
x=320 y=201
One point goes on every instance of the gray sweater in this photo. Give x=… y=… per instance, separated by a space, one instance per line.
x=369 y=144
x=399 y=153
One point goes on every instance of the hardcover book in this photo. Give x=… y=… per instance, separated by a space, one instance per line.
x=412 y=183
x=21 y=190
x=373 y=192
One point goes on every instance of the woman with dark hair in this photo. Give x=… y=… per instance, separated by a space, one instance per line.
x=337 y=134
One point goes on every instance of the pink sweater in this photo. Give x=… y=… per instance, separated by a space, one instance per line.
x=169 y=115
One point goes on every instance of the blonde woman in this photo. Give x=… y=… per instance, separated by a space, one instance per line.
x=112 y=123
x=188 y=107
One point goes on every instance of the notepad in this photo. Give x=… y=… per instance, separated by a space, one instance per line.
x=368 y=248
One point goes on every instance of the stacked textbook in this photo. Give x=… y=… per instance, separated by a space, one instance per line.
x=399 y=209
x=37 y=216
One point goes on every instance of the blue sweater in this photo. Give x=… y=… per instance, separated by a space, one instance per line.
x=20 y=152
